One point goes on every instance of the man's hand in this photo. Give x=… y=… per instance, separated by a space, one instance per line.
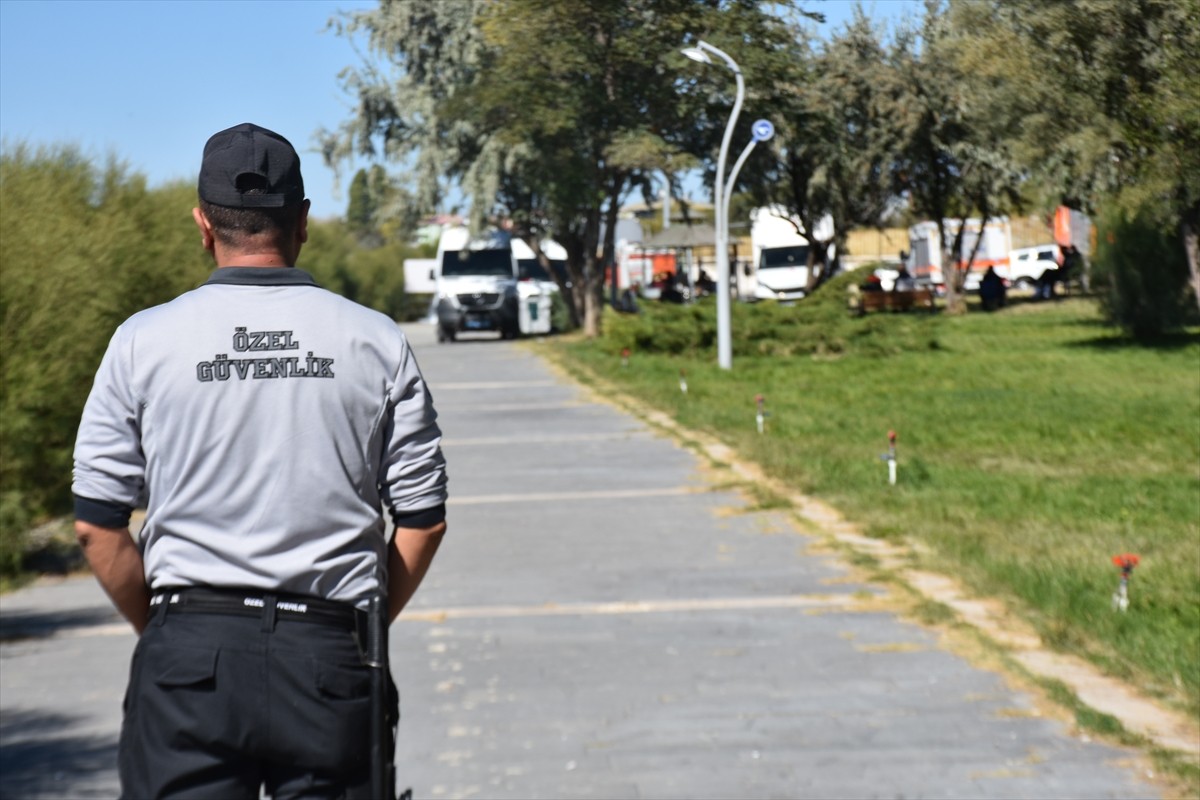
x=117 y=564
x=409 y=557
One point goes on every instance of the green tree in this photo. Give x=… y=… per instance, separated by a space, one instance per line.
x=378 y=211
x=955 y=161
x=435 y=50
x=836 y=134
x=1105 y=92
x=552 y=136
x=1138 y=271
x=360 y=212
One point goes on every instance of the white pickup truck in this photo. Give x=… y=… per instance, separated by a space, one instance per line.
x=1026 y=264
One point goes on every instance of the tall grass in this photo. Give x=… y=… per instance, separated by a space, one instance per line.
x=1034 y=444
x=83 y=247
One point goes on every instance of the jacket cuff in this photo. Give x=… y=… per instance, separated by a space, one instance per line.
x=422 y=518
x=102 y=513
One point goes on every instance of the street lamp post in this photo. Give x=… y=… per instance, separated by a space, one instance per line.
x=721 y=206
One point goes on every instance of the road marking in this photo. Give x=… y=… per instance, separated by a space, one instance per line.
x=443 y=407
x=112 y=629
x=543 y=497
x=621 y=607
x=68 y=632
x=631 y=607
x=576 y=437
x=492 y=385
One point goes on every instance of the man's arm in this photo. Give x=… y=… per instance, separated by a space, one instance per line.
x=117 y=564
x=409 y=557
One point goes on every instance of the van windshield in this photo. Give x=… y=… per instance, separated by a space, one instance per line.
x=477 y=262
x=531 y=269
x=779 y=257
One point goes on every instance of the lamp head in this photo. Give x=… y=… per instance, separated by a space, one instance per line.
x=696 y=54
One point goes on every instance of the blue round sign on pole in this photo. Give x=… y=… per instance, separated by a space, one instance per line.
x=762 y=130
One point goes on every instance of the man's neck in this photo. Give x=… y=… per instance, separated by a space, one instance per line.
x=240 y=259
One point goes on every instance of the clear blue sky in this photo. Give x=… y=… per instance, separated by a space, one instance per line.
x=149 y=81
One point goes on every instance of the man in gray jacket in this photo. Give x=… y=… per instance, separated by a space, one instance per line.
x=262 y=422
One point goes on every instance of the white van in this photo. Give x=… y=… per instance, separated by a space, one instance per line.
x=780 y=269
x=476 y=284
x=530 y=269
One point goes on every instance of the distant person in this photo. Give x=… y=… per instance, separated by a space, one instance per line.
x=904 y=281
x=1045 y=285
x=705 y=284
x=992 y=291
x=1070 y=266
x=673 y=291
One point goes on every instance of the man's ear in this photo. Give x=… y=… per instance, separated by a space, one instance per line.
x=302 y=227
x=206 y=232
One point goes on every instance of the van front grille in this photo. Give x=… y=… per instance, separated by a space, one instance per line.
x=479 y=300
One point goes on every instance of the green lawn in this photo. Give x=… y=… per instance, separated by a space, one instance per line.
x=1034 y=444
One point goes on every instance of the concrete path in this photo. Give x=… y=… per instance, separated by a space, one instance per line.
x=604 y=621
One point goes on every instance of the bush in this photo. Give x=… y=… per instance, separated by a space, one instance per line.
x=1141 y=274
x=820 y=325
x=414 y=307
x=371 y=275
x=560 y=314
x=84 y=247
x=14 y=522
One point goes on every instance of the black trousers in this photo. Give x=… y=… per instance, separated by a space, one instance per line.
x=221 y=706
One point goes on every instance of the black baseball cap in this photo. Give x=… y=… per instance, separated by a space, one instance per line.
x=248 y=149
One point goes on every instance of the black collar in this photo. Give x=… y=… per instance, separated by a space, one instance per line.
x=261 y=276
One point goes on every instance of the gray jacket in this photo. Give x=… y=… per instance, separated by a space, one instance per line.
x=262 y=422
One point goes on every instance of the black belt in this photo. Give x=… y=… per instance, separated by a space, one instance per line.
x=267 y=606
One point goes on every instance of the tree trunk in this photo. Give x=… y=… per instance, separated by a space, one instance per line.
x=1190 y=229
x=593 y=276
x=593 y=303
x=960 y=276
x=810 y=282
x=839 y=247
x=609 y=247
x=955 y=302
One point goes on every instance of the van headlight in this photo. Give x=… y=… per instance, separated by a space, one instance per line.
x=449 y=298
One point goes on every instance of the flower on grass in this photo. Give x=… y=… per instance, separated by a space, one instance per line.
x=1126 y=562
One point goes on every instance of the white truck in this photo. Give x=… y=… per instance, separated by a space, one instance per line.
x=925 y=250
x=779 y=270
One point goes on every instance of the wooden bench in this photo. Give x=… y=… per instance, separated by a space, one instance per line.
x=921 y=299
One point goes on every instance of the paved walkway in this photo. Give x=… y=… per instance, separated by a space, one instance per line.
x=604 y=621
